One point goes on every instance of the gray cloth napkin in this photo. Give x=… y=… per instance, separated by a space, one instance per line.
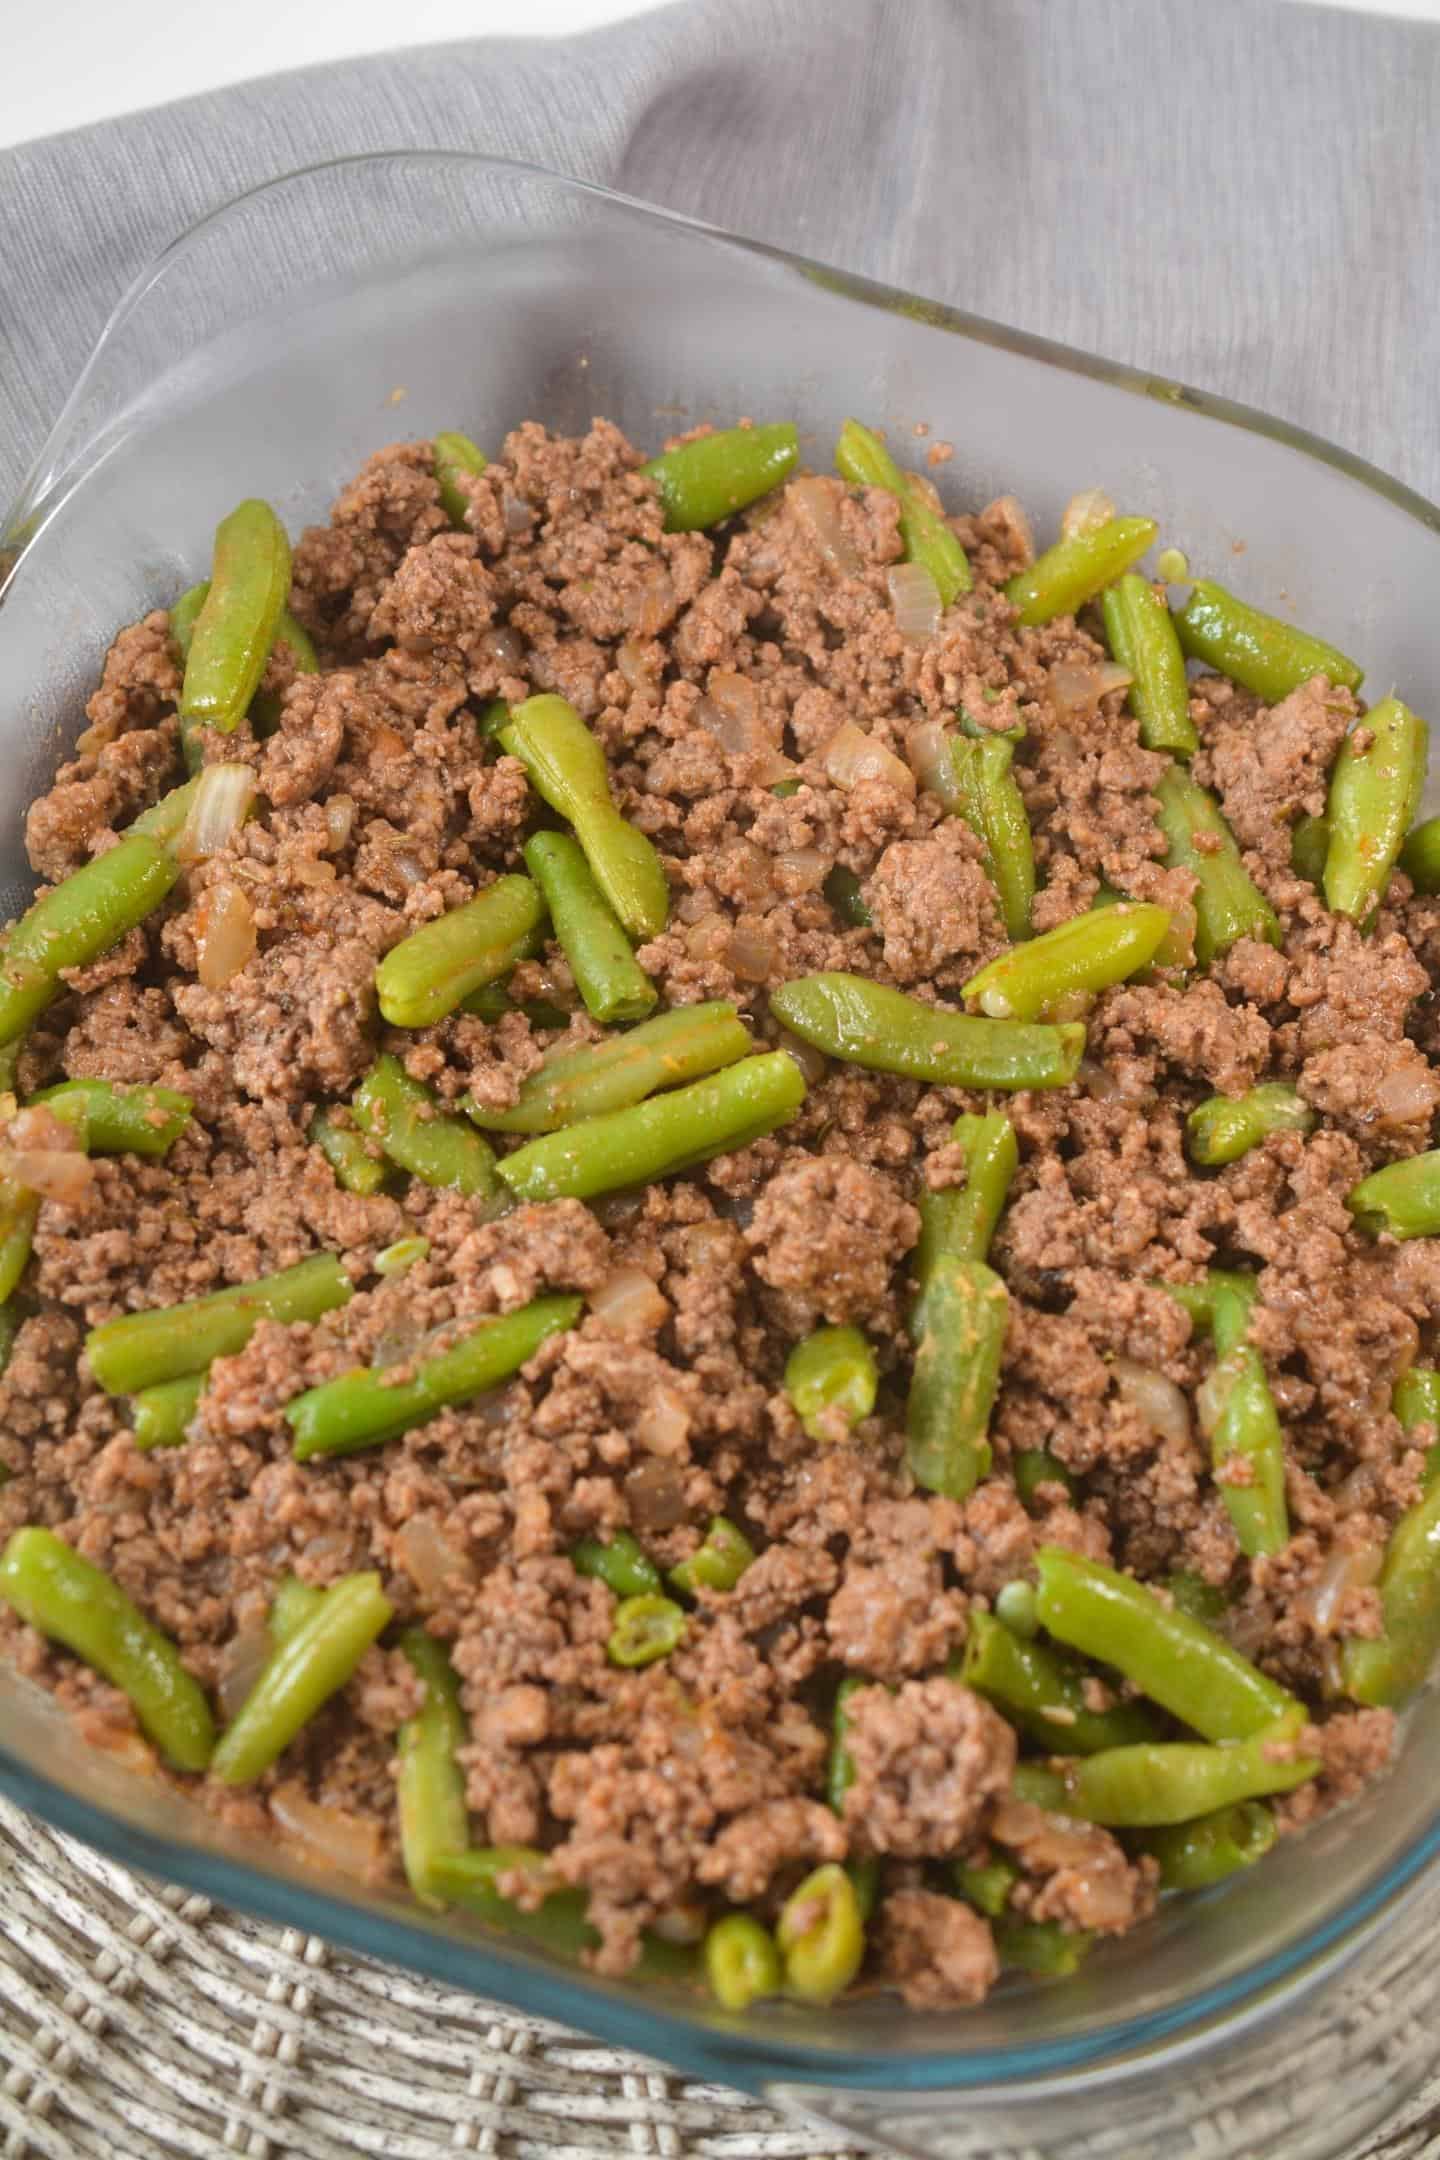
x=1232 y=193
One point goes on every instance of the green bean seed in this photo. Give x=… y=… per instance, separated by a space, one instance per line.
x=1225 y=1127
x=719 y=1563
x=77 y=921
x=456 y=454
x=301 y=1676
x=742 y=1964
x=862 y=459
x=418 y=1135
x=1075 y=570
x=1374 y=793
x=1085 y=955
x=664 y=1052
x=866 y=1023
x=705 y=481
x=1193 y=1855
x=621 y=1563
x=1228 y=903
x=1258 y=651
x=1017 y=1608
x=140 y=1350
x=122 y=1120
x=567 y=769
x=592 y=937
x=1141 y=636
x=831 y=1378
x=429 y=1784
x=399 y=1258
x=645 y=1628
x=433 y=970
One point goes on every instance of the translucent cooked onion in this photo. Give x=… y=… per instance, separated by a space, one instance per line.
x=927 y=748
x=221 y=805
x=631 y=660
x=42 y=1128
x=505 y=646
x=1075 y=687
x=1099 y=1084
x=240 y=1666
x=731 y=711
x=817 y=504
x=749 y=871
x=708 y=1245
x=516 y=512
x=224 y=934
x=339 y=822
x=385 y=742
x=1212 y=1395
x=655 y=1495
x=915 y=600
x=803 y=869
x=681 y=1924
x=397 y=1341
x=309 y=870
x=353 y=1844
x=1159 y=1401
x=1343 y=1571
x=707 y=938
x=427 y=1557
x=851 y=755
x=409 y=869
x=1405 y=1096
x=630 y=1303
x=54 y=1175
x=812 y=1062
x=1085 y=513
x=663 y=1426
x=751 y=953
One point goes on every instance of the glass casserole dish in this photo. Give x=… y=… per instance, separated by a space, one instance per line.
x=268 y=353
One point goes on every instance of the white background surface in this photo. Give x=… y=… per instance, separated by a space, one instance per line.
x=64 y=63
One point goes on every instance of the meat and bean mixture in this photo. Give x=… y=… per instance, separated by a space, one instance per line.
x=716 y=1229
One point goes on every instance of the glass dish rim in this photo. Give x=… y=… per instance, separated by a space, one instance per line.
x=648 y=2022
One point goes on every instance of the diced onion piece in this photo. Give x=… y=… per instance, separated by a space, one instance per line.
x=681 y=1924
x=224 y=934
x=706 y=939
x=240 y=1665
x=1405 y=1096
x=630 y=1303
x=308 y=870
x=1098 y=1081
x=634 y=664
x=397 y=1341
x=852 y=755
x=750 y=953
x=1212 y=1395
x=812 y=1062
x=427 y=1556
x=655 y=1495
x=505 y=646
x=652 y=603
x=408 y=868
x=817 y=503
x=221 y=805
x=1086 y=512
x=802 y=870
x=1159 y=1401
x=915 y=599
x=1077 y=687
x=927 y=748
x=55 y=1175
x=1344 y=1570
x=663 y=1426
x=516 y=512
x=352 y=1844
x=339 y=822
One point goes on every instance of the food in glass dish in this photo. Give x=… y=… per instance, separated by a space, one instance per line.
x=716 y=1226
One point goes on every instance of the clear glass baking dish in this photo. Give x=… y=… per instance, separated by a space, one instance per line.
x=267 y=353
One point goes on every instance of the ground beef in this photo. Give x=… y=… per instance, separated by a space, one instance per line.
x=927 y=1759
x=828 y=1234
x=936 y=1950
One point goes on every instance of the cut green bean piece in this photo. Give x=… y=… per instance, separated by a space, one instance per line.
x=1192 y=1594
x=1420 y=857
x=361 y=1409
x=1034 y=1467
x=842 y=890
x=456 y=454
x=122 y=1120
x=1228 y=903
x=418 y=1135
x=1258 y=651
x=399 y=1258
x=300 y=1677
x=1174 y=1781
x=655 y=1139
x=866 y=1023
x=1043 y=1948
x=720 y=1561
x=567 y=769
x=165 y=820
x=831 y=1378
x=1044 y=1695
x=1085 y=955
x=49 y=1585
x=76 y=922
x=1176 y=1660
x=862 y=459
x=1193 y=1855
x=1416 y=1402
x=1141 y=636
x=1039 y=1786
x=236 y=626
x=19 y=1209
x=140 y=1350
x=160 y=1416
x=645 y=1628
x=840 y=1768
x=1225 y=1127
x=665 y=1052
x=821 y=1935
x=10 y=1321
x=993 y=807
x=620 y=1562
x=956 y=1376
x=592 y=937
x=987 y=1888
x=1374 y=794
x=1239 y=1419
x=1403 y=1198
x=348 y=1153
x=742 y=1964
x=961 y=1220
x=429 y=1784
x=294 y=1602
x=185 y=614
x=557 y=1922
x=1382 y=1670
x=430 y=972
x=1075 y=570
x=705 y=481
x=1309 y=846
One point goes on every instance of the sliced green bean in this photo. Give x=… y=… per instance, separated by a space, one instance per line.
x=862 y=459
x=1258 y=651
x=961 y=1220
x=620 y=1562
x=1141 y=636
x=655 y=1139
x=1309 y=846
x=987 y=1888
x=840 y=1766
x=1403 y=1198
x=1192 y=1594
x=705 y=481
x=719 y=1563
x=1039 y=1786
x=19 y=1209
x=557 y=1923
x=567 y=769
x=76 y=922
x=1034 y=1467
x=1239 y=1418
x=821 y=1935
x=742 y=1963
x=1228 y=903
x=122 y=1120
x=1044 y=1695
x=53 y=1589
x=1416 y=1402
x=1374 y=794
x=1420 y=856
x=433 y=970
x=1167 y=1782
x=608 y=976
x=456 y=454
x=993 y=807
x=842 y=890
x=956 y=1376
x=645 y=1628
x=1075 y=570
x=361 y=1409
x=399 y=1258
x=165 y=820
x=831 y=1378
x=186 y=613
x=160 y=1416
x=429 y=1784
x=348 y=1153
x=1382 y=1670
x=236 y=626
x=1082 y=956
x=140 y=1350
x=1193 y=1855
x=1224 y=1127
x=866 y=1023
x=1043 y=1948
x=665 y=1052
x=300 y=1677
x=294 y=1603
x=10 y=1321
x=418 y=1135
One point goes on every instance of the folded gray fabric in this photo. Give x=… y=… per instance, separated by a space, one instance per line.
x=1235 y=194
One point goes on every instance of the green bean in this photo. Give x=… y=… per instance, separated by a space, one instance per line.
x=840 y=1765
x=10 y=1321
x=645 y=1628
x=236 y=626
x=418 y=1135
x=76 y=922
x=657 y=1138
x=613 y=1075
x=1420 y=856
x=293 y=1604
x=705 y=481
x=862 y=459
x=1224 y=1127
x=399 y=1258
x=186 y=613
x=300 y=1677
x=1309 y=845
x=430 y=972
x=831 y=1378
x=592 y=938
x=267 y=707
x=429 y=1783
x=348 y=1153
x=141 y=1349
x=1043 y=1948
x=742 y=1964
x=1192 y=1594
x=1085 y=955
x=961 y=1220
x=987 y=1888
x=842 y=890
x=53 y=1589
x=160 y=1416
x=19 y=1209
x=361 y=1409
x=1075 y=570
x=494 y=716
x=1017 y=1608
x=1043 y=1695
x=621 y=1563
x=993 y=807
x=567 y=769
x=865 y=1023
x=1374 y=793
x=1034 y=1467
x=1382 y=1670
x=1239 y=1418
x=719 y=1563
x=956 y=1376
x=1403 y=1198
x=1176 y=1660
x=494 y=1001
x=1228 y=903
x=821 y=1935
x=864 y=1877
x=1416 y=1402
x=165 y=820
x=1193 y=1855
x=557 y=1922
x=1173 y=1781
x=1258 y=651
x=456 y=454
x=1141 y=636
x=122 y=1120
x=1039 y=1786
